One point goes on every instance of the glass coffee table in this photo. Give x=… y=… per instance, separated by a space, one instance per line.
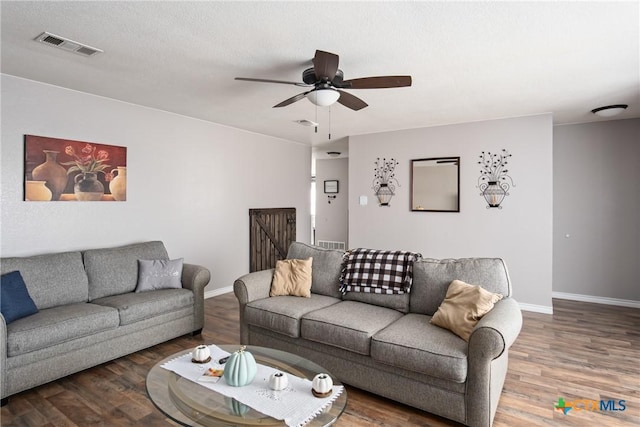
x=191 y=404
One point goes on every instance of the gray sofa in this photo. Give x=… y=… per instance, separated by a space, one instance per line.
x=89 y=313
x=385 y=343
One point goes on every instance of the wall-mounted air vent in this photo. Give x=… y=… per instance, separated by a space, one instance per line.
x=329 y=244
x=67 y=44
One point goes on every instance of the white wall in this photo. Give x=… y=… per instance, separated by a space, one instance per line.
x=596 y=218
x=332 y=219
x=521 y=232
x=190 y=183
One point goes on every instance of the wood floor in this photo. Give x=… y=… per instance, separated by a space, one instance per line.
x=582 y=351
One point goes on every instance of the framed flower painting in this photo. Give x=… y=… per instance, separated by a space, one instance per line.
x=65 y=170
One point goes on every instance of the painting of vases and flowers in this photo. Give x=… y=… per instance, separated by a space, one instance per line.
x=65 y=170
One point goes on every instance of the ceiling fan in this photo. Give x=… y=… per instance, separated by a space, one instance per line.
x=327 y=81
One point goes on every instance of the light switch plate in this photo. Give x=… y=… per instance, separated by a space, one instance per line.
x=363 y=201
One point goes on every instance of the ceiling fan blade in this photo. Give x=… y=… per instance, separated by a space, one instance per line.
x=351 y=101
x=325 y=65
x=248 y=79
x=381 y=82
x=291 y=100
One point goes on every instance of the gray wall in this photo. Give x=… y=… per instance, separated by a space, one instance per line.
x=596 y=198
x=190 y=183
x=332 y=219
x=521 y=232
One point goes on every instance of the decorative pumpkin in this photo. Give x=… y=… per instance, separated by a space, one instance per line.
x=238 y=409
x=240 y=369
x=322 y=385
x=201 y=354
x=278 y=381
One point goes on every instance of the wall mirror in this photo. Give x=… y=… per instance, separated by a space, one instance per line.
x=435 y=184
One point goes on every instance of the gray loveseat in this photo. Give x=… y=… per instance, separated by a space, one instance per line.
x=385 y=343
x=89 y=313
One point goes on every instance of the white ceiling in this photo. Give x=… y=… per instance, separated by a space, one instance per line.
x=469 y=61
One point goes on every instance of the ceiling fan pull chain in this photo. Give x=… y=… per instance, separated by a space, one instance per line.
x=316 y=119
x=329 y=123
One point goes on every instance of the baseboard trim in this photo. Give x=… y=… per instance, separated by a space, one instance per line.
x=597 y=300
x=536 y=308
x=218 y=292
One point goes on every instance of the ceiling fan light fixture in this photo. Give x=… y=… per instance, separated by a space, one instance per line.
x=609 y=110
x=323 y=97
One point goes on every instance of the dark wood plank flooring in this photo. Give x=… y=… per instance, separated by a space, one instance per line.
x=582 y=351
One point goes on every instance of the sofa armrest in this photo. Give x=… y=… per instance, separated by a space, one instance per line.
x=505 y=320
x=3 y=356
x=251 y=287
x=488 y=360
x=196 y=277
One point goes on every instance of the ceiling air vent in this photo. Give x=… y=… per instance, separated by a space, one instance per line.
x=67 y=44
x=305 y=122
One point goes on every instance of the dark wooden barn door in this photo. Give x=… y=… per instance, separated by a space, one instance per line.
x=271 y=233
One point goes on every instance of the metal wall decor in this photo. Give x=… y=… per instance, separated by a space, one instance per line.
x=494 y=180
x=384 y=180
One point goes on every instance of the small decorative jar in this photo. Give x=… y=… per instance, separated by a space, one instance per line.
x=278 y=381
x=37 y=191
x=201 y=354
x=240 y=369
x=118 y=185
x=322 y=385
x=236 y=408
x=87 y=188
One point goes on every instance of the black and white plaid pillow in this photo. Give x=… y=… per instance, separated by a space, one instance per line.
x=375 y=271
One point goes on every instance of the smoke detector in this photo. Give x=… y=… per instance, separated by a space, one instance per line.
x=305 y=122
x=67 y=44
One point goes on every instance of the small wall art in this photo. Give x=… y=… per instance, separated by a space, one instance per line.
x=494 y=181
x=331 y=186
x=66 y=170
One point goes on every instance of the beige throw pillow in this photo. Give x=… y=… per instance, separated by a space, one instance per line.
x=292 y=277
x=463 y=306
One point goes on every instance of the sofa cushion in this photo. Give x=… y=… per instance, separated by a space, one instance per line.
x=52 y=279
x=154 y=274
x=15 y=301
x=134 y=307
x=57 y=325
x=398 y=302
x=114 y=271
x=431 y=279
x=292 y=277
x=282 y=314
x=414 y=344
x=348 y=325
x=327 y=265
x=463 y=307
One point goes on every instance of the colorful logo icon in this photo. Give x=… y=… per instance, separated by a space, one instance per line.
x=563 y=406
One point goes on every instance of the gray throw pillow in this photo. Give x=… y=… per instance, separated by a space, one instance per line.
x=156 y=274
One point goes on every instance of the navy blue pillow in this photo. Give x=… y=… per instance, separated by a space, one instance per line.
x=15 y=301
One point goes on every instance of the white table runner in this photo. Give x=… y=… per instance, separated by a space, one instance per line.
x=295 y=405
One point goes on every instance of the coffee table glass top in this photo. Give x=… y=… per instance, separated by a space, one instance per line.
x=192 y=404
